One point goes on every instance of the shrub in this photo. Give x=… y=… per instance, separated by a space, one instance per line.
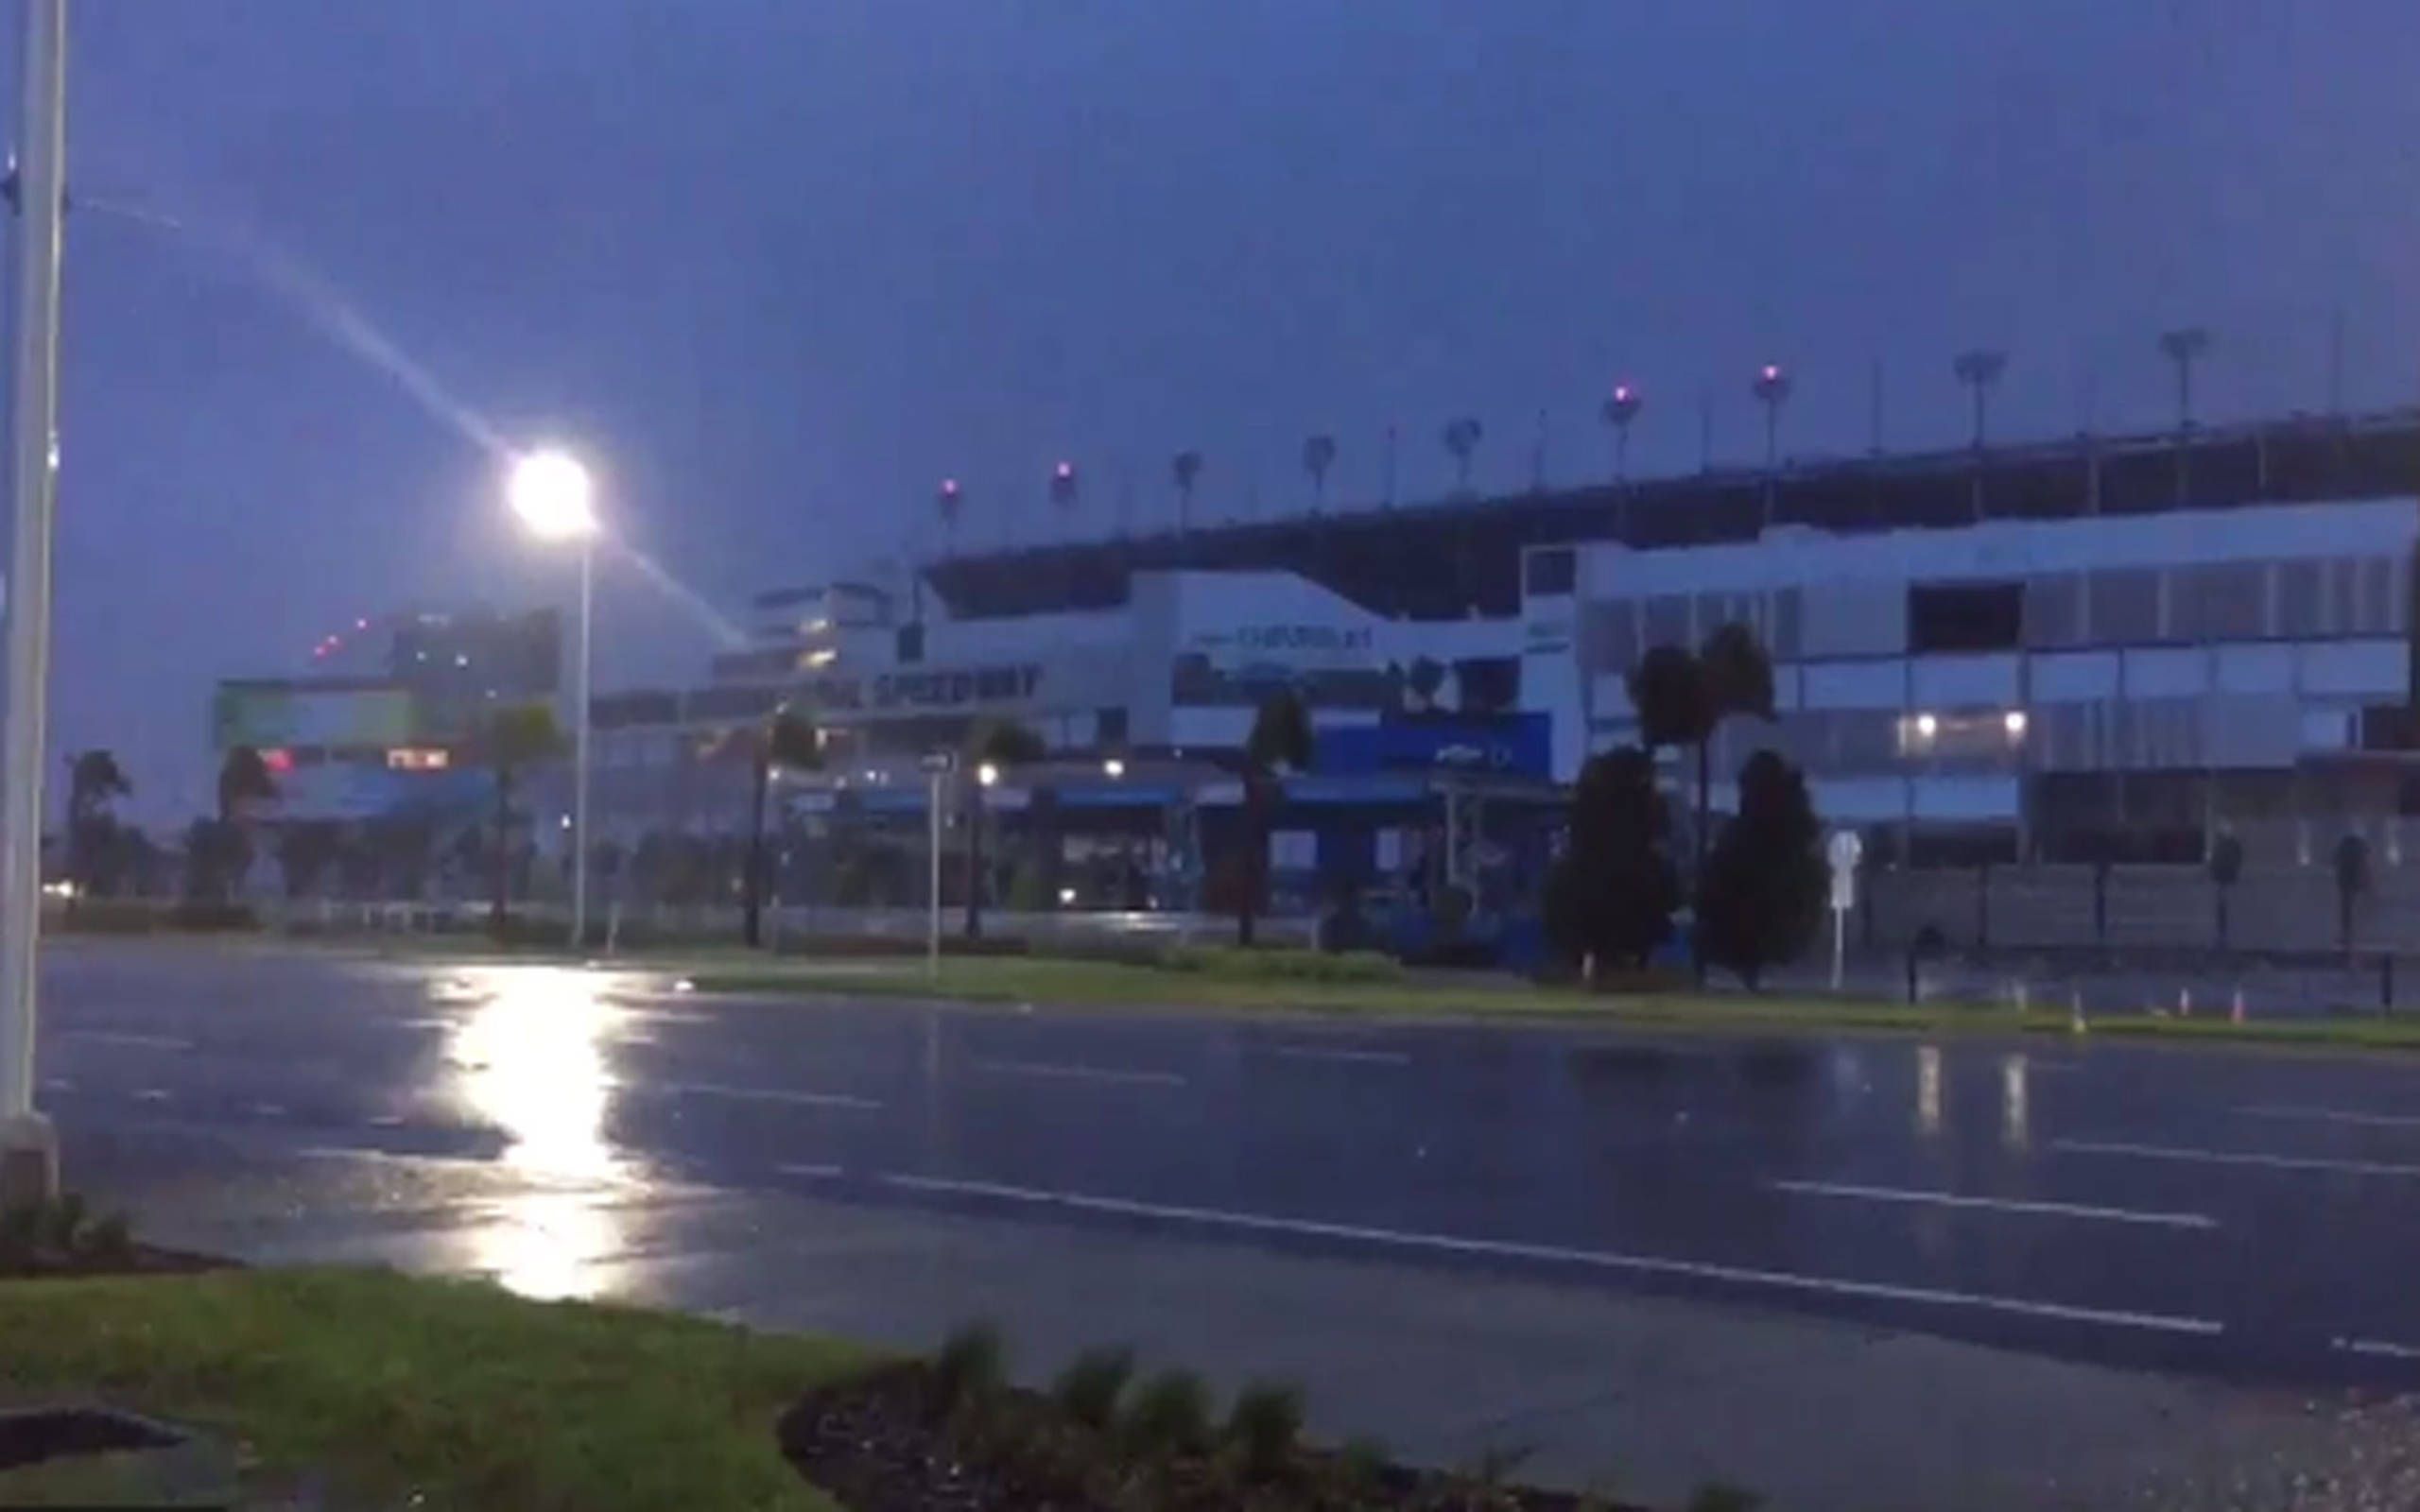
x=970 y=1365
x=1170 y=1415
x=1266 y=1425
x=1229 y=963
x=110 y=1241
x=1088 y=1390
x=1717 y=1496
x=1365 y=1460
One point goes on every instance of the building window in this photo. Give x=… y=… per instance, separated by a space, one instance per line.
x=911 y=645
x=1965 y=616
x=1109 y=727
x=1552 y=570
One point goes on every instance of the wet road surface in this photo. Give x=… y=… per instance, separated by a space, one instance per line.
x=2250 y=1215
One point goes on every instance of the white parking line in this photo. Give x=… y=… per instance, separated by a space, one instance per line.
x=2378 y=1349
x=822 y=1173
x=2274 y=1163
x=269 y=1110
x=1369 y=1057
x=770 y=1094
x=132 y=1041
x=1951 y=1199
x=2333 y=1115
x=1602 y=1260
x=151 y=1094
x=1108 y=1074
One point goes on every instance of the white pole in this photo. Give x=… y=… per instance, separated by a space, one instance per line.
x=1839 y=940
x=28 y=1158
x=580 y=678
x=933 y=910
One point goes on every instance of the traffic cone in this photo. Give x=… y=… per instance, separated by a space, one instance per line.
x=2075 y=1011
x=2185 y=1002
x=2235 y=1014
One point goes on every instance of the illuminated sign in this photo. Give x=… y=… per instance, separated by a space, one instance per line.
x=940 y=688
x=419 y=758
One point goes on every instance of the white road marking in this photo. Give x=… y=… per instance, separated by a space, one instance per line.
x=1110 y=1074
x=2274 y=1163
x=151 y=1094
x=2334 y=1115
x=770 y=1094
x=132 y=1041
x=1951 y=1199
x=385 y=1121
x=1372 y=1058
x=1602 y=1260
x=822 y=1173
x=2378 y=1349
x=269 y=1109
x=58 y=1084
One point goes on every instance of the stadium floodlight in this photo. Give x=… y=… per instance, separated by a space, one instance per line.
x=1623 y=406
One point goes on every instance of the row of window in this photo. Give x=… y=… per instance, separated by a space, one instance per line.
x=2310 y=599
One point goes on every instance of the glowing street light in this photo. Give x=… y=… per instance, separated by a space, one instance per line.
x=552 y=494
x=1112 y=768
x=988 y=774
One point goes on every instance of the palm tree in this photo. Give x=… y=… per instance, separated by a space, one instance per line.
x=1280 y=742
x=1185 y=466
x=1462 y=438
x=245 y=782
x=1319 y=454
x=95 y=784
x=515 y=737
x=993 y=747
x=1739 y=679
x=785 y=740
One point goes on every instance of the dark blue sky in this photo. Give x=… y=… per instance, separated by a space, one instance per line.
x=779 y=264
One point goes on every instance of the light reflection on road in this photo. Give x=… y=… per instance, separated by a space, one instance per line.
x=529 y=1061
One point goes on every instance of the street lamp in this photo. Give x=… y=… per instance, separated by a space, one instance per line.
x=988 y=774
x=1621 y=407
x=551 y=492
x=1112 y=768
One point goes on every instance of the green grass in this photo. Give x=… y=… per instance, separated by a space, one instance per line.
x=1102 y=984
x=454 y=1392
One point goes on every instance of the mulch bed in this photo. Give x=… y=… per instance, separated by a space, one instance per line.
x=881 y=1443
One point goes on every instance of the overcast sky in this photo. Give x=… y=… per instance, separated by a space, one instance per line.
x=779 y=265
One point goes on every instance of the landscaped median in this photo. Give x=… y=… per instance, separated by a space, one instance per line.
x=395 y=1391
x=1303 y=982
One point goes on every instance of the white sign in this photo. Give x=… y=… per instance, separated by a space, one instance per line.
x=1843 y=851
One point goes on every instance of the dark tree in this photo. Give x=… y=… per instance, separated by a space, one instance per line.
x=1761 y=895
x=783 y=741
x=1611 y=895
x=1669 y=691
x=1000 y=744
x=2352 y=881
x=1738 y=678
x=305 y=848
x=1279 y=742
x=95 y=853
x=217 y=854
x=513 y=739
x=2226 y=869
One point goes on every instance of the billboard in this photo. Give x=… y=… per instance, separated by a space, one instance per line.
x=285 y=714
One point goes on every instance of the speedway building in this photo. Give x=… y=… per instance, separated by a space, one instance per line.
x=2097 y=646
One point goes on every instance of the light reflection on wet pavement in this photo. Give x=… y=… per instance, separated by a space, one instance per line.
x=889 y=1169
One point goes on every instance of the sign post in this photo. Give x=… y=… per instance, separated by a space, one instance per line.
x=1843 y=850
x=938 y=766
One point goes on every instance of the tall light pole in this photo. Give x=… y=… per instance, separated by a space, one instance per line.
x=1623 y=406
x=551 y=492
x=2183 y=347
x=1772 y=389
x=1978 y=369
x=28 y=1146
